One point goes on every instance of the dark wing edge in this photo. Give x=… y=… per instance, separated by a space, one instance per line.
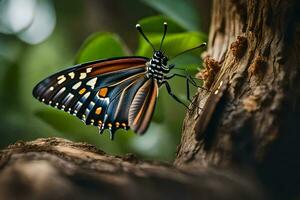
x=142 y=107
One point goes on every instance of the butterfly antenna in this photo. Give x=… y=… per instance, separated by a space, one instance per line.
x=165 y=32
x=139 y=28
x=192 y=49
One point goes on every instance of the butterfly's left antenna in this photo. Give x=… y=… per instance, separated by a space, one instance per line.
x=164 y=35
x=139 y=28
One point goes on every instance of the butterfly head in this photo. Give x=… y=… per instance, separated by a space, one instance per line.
x=159 y=55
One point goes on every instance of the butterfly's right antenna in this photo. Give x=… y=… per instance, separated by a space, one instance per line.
x=139 y=28
x=164 y=35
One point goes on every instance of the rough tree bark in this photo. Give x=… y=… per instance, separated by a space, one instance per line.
x=247 y=131
x=59 y=169
x=256 y=45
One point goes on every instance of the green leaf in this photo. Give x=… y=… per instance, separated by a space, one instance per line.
x=154 y=24
x=173 y=44
x=99 y=46
x=189 y=62
x=181 y=11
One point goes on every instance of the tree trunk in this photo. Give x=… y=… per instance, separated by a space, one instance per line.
x=253 y=123
x=242 y=144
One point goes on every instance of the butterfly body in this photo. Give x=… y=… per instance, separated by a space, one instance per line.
x=157 y=67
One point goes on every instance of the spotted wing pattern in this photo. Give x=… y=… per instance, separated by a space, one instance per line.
x=99 y=93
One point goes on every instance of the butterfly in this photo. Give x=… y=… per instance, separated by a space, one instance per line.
x=111 y=93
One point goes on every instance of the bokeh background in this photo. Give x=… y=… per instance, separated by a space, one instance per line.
x=40 y=37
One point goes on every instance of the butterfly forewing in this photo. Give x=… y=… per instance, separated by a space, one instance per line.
x=99 y=93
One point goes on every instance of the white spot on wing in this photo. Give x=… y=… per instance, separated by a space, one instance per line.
x=61 y=79
x=82 y=76
x=92 y=104
x=106 y=100
x=87 y=112
x=92 y=82
x=87 y=95
x=68 y=98
x=88 y=70
x=76 y=86
x=60 y=92
x=72 y=75
x=77 y=107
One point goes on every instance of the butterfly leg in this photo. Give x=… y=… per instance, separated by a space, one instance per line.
x=173 y=95
x=188 y=76
x=188 y=89
x=171 y=66
x=188 y=81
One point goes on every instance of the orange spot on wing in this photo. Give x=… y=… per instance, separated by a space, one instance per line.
x=98 y=111
x=82 y=91
x=102 y=92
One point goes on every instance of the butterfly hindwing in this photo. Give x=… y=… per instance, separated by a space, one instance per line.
x=142 y=106
x=99 y=92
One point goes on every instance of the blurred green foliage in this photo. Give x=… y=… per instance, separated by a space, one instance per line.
x=96 y=47
x=181 y=11
x=22 y=66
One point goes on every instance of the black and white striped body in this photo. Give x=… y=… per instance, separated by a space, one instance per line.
x=157 y=67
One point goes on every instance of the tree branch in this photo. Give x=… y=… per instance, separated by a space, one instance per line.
x=56 y=168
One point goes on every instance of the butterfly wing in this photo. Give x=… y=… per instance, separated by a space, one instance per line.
x=142 y=106
x=99 y=93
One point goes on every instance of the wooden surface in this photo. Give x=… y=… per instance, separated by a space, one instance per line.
x=55 y=168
